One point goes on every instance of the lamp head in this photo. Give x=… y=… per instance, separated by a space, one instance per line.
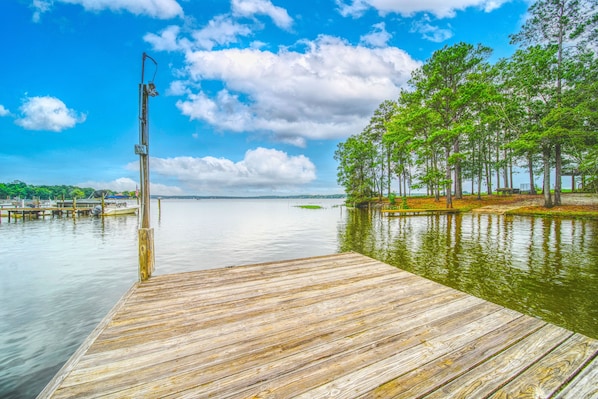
x=151 y=89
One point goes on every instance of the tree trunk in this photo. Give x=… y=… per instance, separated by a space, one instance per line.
x=505 y=170
x=511 y=167
x=488 y=178
x=557 y=174
x=546 y=183
x=458 y=177
x=388 y=153
x=480 y=183
x=399 y=181
x=497 y=161
x=448 y=185
x=532 y=183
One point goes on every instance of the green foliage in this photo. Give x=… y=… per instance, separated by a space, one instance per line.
x=464 y=119
x=356 y=170
x=404 y=203
x=19 y=189
x=309 y=206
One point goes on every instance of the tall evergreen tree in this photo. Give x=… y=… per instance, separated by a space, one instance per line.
x=568 y=25
x=447 y=90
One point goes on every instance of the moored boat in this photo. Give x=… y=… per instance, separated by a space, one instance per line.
x=115 y=209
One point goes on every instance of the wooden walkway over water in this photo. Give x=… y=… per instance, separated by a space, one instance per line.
x=42 y=212
x=342 y=326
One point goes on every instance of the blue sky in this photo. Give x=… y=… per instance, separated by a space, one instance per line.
x=254 y=97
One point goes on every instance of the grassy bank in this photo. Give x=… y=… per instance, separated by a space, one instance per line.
x=309 y=206
x=568 y=211
x=585 y=206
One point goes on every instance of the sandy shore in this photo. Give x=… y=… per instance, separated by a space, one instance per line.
x=566 y=199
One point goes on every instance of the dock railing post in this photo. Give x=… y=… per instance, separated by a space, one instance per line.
x=145 y=233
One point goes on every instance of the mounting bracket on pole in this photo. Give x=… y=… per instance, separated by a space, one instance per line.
x=140 y=149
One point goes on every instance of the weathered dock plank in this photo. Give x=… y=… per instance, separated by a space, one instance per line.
x=343 y=326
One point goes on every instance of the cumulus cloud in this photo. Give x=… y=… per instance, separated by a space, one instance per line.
x=249 y=8
x=316 y=89
x=167 y=40
x=4 y=111
x=328 y=90
x=430 y=32
x=378 y=37
x=164 y=189
x=161 y=9
x=439 y=8
x=47 y=113
x=220 y=31
x=261 y=168
x=118 y=185
x=128 y=184
x=40 y=7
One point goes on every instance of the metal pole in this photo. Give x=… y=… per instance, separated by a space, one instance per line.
x=145 y=233
x=144 y=161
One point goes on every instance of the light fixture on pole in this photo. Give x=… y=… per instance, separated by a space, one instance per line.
x=145 y=233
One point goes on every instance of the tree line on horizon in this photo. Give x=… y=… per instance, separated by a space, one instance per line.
x=463 y=119
x=22 y=190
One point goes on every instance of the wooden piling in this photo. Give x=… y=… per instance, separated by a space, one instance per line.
x=146 y=253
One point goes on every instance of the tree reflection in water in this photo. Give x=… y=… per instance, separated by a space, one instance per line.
x=539 y=266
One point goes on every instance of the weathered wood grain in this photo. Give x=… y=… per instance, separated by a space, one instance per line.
x=341 y=325
x=550 y=374
x=585 y=385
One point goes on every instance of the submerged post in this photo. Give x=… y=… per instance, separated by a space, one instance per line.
x=145 y=233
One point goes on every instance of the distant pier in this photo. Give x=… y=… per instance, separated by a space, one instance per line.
x=342 y=326
x=41 y=212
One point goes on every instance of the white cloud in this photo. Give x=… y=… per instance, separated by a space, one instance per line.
x=47 y=113
x=118 y=185
x=440 y=8
x=40 y=7
x=430 y=32
x=261 y=168
x=128 y=184
x=378 y=37
x=354 y=8
x=327 y=91
x=177 y=88
x=221 y=30
x=161 y=9
x=167 y=40
x=4 y=111
x=163 y=189
x=249 y=8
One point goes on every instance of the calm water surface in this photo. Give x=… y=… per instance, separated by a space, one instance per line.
x=59 y=277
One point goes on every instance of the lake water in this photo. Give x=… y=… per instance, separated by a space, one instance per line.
x=60 y=276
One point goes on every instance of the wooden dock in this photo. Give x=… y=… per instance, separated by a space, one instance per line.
x=416 y=212
x=342 y=326
x=42 y=212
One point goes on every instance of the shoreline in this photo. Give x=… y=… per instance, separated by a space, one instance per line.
x=574 y=205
